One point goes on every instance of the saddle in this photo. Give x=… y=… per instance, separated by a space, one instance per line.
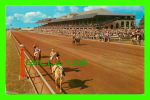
x=63 y=73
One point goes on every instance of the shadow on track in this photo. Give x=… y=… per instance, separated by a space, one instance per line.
x=67 y=69
x=82 y=44
x=75 y=83
x=45 y=57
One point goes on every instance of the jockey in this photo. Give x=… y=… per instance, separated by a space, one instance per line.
x=37 y=49
x=52 y=54
x=57 y=55
x=57 y=65
x=34 y=46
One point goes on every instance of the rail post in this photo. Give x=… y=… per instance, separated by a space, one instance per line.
x=22 y=63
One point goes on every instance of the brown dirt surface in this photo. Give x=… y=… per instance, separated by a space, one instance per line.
x=111 y=68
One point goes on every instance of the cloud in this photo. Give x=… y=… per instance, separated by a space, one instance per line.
x=9 y=20
x=114 y=8
x=49 y=17
x=60 y=8
x=19 y=16
x=30 y=17
x=74 y=8
x=93 y=7
x=58 y=15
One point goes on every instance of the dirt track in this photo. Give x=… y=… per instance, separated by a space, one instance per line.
x=110 y=69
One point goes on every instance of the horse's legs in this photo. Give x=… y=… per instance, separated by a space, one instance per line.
x=56 y=81
x=135 y=42
x=132 y=41
x=40 y=55
x=60 y=84
x=76 y=43
x=73 y=42
x=139 y=42
x=52 y=69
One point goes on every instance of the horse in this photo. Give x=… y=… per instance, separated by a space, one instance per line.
x=76 y=40
x=37 y=54
x=134 y=39
x=54 y=59
x=73 y=40
x=58 y=75
x=57 y=70
x=139 y=38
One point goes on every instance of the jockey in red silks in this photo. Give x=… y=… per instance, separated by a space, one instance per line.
x=55 y=58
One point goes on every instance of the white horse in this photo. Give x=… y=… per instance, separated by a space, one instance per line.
x=58 y=75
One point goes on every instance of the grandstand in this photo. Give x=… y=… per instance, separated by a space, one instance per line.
x=93 y=19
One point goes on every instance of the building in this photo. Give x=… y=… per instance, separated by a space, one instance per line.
x=27 y=29
x=141 y=24
x=93 y=19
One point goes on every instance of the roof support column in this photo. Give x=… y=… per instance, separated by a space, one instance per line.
x=124 y=24
x=129 y=24
x=119 y=22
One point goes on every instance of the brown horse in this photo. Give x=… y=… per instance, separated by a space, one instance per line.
x=134 y=39
x=73 y=40
x=76 y=40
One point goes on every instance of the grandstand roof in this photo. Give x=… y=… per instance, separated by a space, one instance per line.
x=44 y=20
x=84 y=15
x=76 y=17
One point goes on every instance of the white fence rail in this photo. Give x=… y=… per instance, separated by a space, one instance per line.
x=44 y=80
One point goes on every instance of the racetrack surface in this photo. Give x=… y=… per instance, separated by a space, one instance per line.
x=111 y=68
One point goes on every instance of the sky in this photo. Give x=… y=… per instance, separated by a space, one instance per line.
x=26 y=16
